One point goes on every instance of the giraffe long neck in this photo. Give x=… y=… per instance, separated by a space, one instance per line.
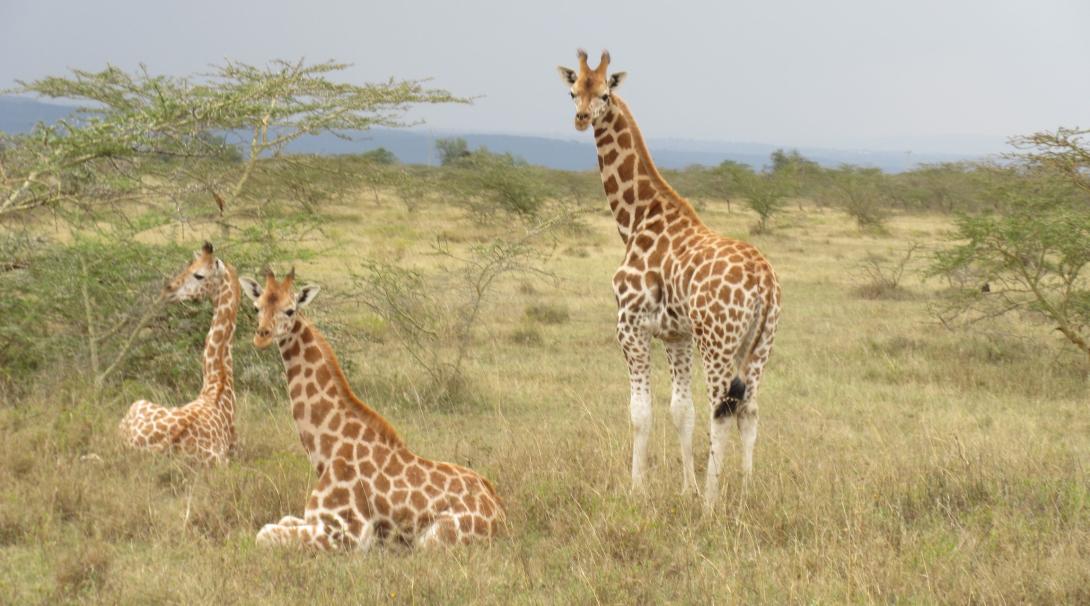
x=633 y=185
x=325 y=409
x=219 y=376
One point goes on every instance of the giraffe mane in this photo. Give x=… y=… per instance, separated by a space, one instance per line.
x=645 y=156
x=371 y=416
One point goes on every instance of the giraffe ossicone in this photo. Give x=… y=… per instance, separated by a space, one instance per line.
x=204 y=429
x=679 y=282
x=370 y=486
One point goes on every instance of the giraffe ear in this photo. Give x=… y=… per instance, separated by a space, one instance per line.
x=306 y=295
x=616 y=79
x=567 y=75
x=251 y=288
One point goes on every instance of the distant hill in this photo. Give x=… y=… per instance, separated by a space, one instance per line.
x=18 y=115
x=417 y=145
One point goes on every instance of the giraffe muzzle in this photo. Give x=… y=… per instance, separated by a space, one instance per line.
x=262 y=338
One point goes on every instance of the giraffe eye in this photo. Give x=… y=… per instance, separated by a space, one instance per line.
x=198 y=276
x=572 y=95
x=605 y=97
x=289 y=312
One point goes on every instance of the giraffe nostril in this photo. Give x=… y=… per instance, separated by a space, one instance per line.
x=263 y=332
x=582 y=115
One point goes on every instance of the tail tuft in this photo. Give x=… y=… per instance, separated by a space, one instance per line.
x=735 y=396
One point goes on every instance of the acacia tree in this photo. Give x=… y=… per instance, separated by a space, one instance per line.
x=801 y=173
x=237 y=111
x=765 y=193
x=860 y=192
x=1030 y=255
x=1065 y=151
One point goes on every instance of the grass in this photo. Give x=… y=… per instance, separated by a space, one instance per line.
x=897 y=462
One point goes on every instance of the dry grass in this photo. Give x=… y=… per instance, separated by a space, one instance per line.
x=897 y=462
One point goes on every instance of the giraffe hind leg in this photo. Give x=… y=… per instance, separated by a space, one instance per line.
x=752 y=371
x=736 y=395
x=443 y=531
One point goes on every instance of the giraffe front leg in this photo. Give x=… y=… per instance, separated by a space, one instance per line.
x=290 y=521
x=315 y=535
x=312 y=531
x=636 y=344
x=680 y=355
x=294 y=535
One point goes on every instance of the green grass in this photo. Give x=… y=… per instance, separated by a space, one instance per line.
x=897 y=461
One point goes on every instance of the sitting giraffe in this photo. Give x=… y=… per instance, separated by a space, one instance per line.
x=370 y=485
x=680 y=282
x=204 y=429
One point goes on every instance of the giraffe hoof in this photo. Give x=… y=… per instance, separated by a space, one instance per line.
x=267 y=536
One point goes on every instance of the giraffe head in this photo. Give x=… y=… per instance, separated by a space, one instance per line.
x=198 y=278
x=276 y=303
x=591 y=89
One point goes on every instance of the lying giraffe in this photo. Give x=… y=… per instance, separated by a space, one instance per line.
x=370 y=485
x=204 y=429
x=680 y=282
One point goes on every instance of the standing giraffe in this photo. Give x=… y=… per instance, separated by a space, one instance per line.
x=679 y=281
x=370 y=485
x=204 y=429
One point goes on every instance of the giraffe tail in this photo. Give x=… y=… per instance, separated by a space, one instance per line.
x=736 y=394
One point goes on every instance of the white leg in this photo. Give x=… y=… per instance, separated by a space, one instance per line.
x=680 y=356
x=720 y=431
x=302 y=535
x=636 y=345
x=367 y=537
x=747 y=428
x=640 y=410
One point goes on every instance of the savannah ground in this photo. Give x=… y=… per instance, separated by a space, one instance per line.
x=896 y=461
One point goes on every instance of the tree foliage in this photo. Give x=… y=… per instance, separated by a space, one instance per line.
x=128 y=117
x=765 y=193
x=486 y=182
x=451 y=150
x=1027 y=257
x=1065 y=151
x=862 y=193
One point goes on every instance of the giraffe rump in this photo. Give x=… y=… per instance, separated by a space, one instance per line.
x=736 y=394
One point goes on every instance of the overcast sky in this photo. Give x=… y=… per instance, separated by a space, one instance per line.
x=838 y=73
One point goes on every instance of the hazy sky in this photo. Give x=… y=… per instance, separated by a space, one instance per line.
x=835 y=73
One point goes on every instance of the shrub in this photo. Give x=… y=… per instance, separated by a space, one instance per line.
x=882 y=279
x=488 y=182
